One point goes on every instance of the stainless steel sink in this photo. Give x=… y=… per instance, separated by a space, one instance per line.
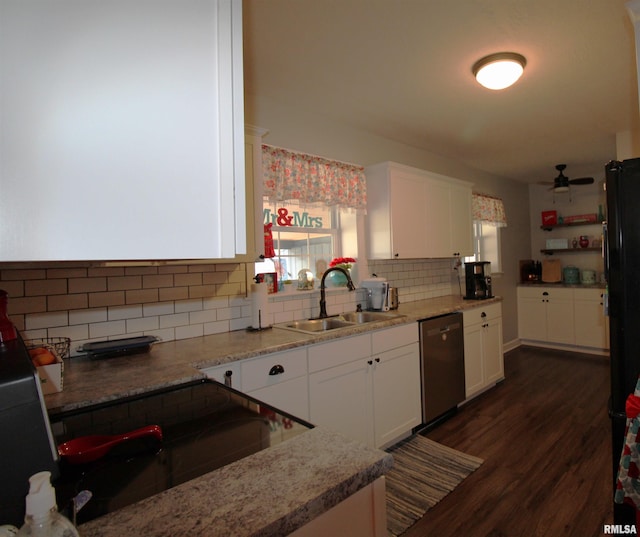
x=344 y=320
x=360 y=317
x=318 y=325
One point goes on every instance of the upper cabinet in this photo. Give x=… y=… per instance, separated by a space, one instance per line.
x=122 y=133
x=412 y=213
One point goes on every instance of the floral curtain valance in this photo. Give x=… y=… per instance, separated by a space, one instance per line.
x=488 y=209
x=288 y=175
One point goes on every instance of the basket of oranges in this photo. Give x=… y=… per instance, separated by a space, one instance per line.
x=47 y=355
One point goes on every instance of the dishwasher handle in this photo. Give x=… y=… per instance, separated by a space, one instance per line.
x=443 y=329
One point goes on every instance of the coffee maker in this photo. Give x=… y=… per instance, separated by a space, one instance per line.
x=478 y=280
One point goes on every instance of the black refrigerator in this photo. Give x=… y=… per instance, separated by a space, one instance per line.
x=622 y=270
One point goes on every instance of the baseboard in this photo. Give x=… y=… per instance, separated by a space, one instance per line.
x=510 y=345
x=561 y=347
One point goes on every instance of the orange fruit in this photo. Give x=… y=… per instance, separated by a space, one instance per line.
x=42 y=356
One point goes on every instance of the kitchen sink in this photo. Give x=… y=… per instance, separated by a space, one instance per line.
x=345 y=320
x=360 y=317
x=318 y=325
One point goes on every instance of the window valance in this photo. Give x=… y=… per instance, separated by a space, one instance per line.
x=488 y=209
x=288 y=175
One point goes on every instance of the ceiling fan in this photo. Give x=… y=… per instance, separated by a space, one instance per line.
x=562 y=182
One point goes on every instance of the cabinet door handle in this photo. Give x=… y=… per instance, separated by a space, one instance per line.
x=276 y=370
x=545 y=294
x=483 y=315
x=227 y=378
x=370 y=362
x=378 y=360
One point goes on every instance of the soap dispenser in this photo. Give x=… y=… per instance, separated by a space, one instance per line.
x=41 y=514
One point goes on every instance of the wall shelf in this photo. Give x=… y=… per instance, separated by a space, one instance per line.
x=570 y=224
x=566 y=250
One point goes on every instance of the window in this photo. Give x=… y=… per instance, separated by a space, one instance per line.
x=486 y=245
x=303 y=238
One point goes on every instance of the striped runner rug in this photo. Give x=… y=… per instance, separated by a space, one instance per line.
x=423 y=473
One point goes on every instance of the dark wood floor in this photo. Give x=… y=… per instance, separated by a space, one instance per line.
x=544 y=435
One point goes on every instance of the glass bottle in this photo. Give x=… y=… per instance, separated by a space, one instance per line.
x=7 y=330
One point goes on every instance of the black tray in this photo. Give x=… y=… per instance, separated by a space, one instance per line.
x=118 y=347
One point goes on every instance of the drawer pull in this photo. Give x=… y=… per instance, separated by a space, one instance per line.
x=276 y=370
x=227 y=378
x=483 y=315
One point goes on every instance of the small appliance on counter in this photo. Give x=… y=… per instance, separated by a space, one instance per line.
x=478 y=280
x=378 y=298
x=530 y=271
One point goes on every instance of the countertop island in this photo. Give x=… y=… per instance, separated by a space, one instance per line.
x=320 y=467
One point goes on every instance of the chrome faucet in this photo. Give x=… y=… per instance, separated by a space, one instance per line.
x=323 y=301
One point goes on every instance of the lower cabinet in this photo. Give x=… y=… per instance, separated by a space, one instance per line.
x=483 y=354
x=373 y=397
x=563 y=316
x=591 y=325
x=280 y=380
x=366 y=387
x=228 y=374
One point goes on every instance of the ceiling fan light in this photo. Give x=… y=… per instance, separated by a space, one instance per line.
x=561 y=189
x=499 y=71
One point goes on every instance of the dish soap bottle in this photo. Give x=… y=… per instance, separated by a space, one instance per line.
x=41 y=515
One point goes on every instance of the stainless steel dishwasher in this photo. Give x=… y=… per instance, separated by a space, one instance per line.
x=442 y=365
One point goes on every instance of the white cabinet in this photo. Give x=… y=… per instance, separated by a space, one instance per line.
x=546 y=314
x=591 y=325
x=412 y=213
x=340 y=389
x=563 y=316
x=449 y=219
x=369 y=395
x=483 y=354
x=396 y=383
x=279 y=379
x=128 y=145
x=227 y=374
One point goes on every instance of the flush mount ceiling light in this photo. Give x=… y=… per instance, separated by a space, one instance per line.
x=499 y=71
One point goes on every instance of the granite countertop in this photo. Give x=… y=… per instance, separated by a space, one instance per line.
x=270 y=493
x=596 y=285
x=321 y=467
x=88 y=382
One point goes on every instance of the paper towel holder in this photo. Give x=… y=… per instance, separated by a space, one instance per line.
x=259 y=304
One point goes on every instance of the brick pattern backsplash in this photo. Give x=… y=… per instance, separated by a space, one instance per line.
x=416 y=279
x=88 y=303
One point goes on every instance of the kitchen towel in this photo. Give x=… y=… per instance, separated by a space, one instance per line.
x=259 y=306
x=628 y=482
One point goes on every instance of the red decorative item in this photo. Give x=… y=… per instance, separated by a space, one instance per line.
x=344 y=262
x=269 y=251
x=584 y=241
x=7 y=330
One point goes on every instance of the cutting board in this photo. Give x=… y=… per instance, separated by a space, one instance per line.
x=551 y=271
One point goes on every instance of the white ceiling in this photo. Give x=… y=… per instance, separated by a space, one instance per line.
x=401 y=69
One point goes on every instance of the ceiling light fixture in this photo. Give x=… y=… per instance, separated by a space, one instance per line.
x=500 y=70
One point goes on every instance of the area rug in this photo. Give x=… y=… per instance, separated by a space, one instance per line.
x=423 y=473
